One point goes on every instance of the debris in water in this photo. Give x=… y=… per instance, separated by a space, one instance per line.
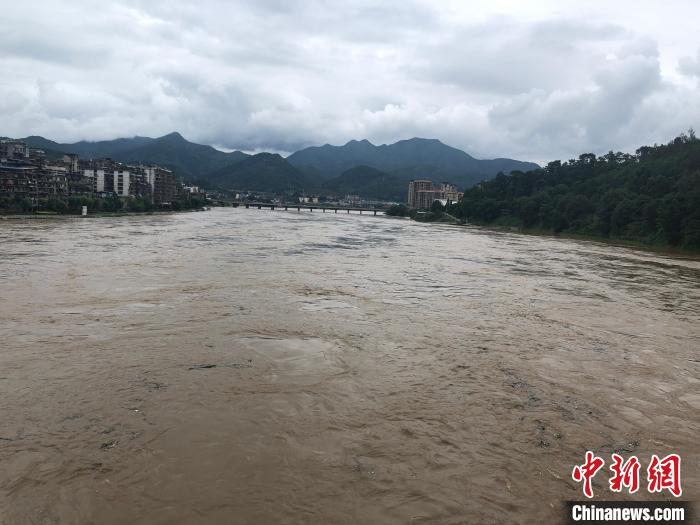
x=109 y=444
x=249 y=364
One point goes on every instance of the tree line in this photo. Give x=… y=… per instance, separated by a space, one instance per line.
x=652 y=196
x=112 y=204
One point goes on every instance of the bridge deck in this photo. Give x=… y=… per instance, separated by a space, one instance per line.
x=299 y=207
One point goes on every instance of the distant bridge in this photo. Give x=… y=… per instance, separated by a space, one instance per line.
x=299 y=207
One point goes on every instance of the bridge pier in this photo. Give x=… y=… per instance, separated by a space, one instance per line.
x=273 y=209
x=247 y=206
x=324 y=210
x=336 y=210
x=348 y=212
x=360 y=212
x=375 y=213
x=298 y=208
x=285 y=208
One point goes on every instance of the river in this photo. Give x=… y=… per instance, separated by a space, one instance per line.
x=256 y=366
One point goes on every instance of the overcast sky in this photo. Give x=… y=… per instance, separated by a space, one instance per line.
x=536 y=80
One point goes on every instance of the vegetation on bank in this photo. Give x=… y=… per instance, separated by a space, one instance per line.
x=651 y=197
x=73 y=205
x=398 y=210
x=437 y=213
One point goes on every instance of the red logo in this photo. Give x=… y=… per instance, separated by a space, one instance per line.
x=625 y=474
x=665 y=474
x=662 y=474
x=587 y=471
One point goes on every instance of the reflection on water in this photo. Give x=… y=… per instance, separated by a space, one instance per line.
x=283 y=367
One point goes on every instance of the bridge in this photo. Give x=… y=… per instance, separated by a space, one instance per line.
x=310 y=207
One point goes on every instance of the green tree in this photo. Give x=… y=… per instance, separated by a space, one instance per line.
x=437 y=207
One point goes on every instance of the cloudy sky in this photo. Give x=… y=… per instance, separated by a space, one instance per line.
x=536 y=80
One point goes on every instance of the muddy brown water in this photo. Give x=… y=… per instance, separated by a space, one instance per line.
x=367 y=370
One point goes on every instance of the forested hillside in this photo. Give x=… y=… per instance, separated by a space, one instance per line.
x=368 y=183
x=261 y=172
x=652 y=196
x=415 y=158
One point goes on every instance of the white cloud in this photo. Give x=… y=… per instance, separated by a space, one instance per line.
x=536 y=80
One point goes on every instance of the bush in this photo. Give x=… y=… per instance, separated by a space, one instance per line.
x=437 y=207
x=398 y=210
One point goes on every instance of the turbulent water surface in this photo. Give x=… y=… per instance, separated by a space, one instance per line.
x=245 y=366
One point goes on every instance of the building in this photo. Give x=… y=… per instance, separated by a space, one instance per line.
x=113 y=178
x=18 y=180
x=309 y=200
x=108 y=177
x=22 y=179
x=122 y=182
x=25 y=175
x=37 y=155
x=13 y=149
x=162 y=183
x=97 y=177
x=422 y=193
x=449 y=193
x=72 y=163
x=98 y=172
x=28 y=172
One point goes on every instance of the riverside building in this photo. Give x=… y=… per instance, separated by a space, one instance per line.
x=29 y=172
x=422 y=193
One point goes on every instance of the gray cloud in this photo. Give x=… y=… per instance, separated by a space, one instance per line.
x=690 y=65
x=508 y=57
x=534 y=82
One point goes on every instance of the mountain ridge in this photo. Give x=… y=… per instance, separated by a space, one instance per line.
x=188 y=159
x=266 y=172
x=313 y=166
x=401 y=158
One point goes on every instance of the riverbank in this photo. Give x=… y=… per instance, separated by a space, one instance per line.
x=18 y=216
x=512 y=227
x=624 y=243
x=74 y=205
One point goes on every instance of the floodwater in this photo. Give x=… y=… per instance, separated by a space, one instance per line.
x=246 y=366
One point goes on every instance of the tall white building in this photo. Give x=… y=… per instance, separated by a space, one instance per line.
x=98 y=179
x=122 y=182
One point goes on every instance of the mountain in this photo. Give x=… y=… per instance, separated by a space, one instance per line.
x=407 y=159
x=187 y=159
x=267 y=172
x=367 y=182
x=88 y=150
x=326 y=167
